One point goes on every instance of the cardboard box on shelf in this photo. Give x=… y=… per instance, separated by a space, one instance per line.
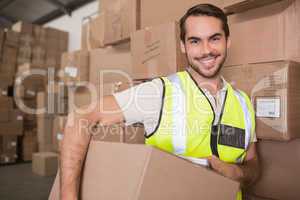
x=140 y=165
x=11 y=38
x=29 y=145
x=52 y=102
x=24 y=54
x=58 y=131
x=39 y=34
x=236 y=6
x=1 y=40
x=156 y=12
x=23 y=27
x=9 y=60
x=5 y=81
x=26 y=39
x=280 y=176
x=253 y=197
x=121 y=19
x=8 y=149
x=274 y=91
x=15 y=125
x=45 y=163
x=38 y=55
x=30 y=79
x=50 y=60
x=44 y=132
x=75 y=66
x=92 y=34
x=52 y=33
x=52 y=44
x=156 y=51
x=6 y=107
x=110 y=65
x=268 y=31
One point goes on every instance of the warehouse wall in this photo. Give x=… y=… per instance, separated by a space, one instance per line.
x=73 y=24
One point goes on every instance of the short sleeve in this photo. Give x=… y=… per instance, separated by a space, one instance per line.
x=142 y=103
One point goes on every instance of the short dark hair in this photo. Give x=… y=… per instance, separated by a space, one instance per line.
x=204 y=10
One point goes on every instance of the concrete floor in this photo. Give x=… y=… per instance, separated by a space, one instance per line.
x=18 y=182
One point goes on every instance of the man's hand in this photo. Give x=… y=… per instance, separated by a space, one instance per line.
x=246 y=173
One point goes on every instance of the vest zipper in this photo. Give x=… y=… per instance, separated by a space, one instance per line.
x=215 y=129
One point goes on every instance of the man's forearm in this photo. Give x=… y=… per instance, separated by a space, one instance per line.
x=73 y=152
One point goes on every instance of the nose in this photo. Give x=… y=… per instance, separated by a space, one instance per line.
x=206 y=48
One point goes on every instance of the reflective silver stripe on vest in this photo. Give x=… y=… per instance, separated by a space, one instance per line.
x=198 y=161
x=247 y=117
x=179 y=115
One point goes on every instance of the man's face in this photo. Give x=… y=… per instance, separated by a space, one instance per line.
x=205 y=45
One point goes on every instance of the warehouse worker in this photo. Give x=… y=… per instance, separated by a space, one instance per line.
x=195 y=113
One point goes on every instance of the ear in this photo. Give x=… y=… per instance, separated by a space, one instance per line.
x=228 y=42
x=182 y=47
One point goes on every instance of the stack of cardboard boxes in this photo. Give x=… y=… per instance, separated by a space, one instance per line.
x=11 y=120
x=38 y=61
x=264 y=62
x=24 y=70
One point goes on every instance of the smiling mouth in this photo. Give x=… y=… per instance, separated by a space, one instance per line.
x=208 y=61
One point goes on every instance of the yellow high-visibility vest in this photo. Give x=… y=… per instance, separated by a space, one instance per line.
x=186 y=124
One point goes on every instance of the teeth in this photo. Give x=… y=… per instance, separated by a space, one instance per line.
x=208 y=60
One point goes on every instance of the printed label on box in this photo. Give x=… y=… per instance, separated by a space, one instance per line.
x=71 y=71
x=268 y=107
x=59 y=136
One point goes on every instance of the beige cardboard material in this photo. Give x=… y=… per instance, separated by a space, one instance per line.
x=12 y=38
x=253 y=197
x=29 y=145
x=146 y=173
x=113 y=63
x=156 y=51
x=157 y=12
x=6 y=106
x=275 y=82
x=280 y=175
x=38 y=55
x=121 y=18
x=45 y=163
x=92 y=34
x=44 y=132
x=236 y=6
x=8 y=149
x=24 y=54
x=75 y=66
x=265 y=34
x=9 y=60
x=14 y=126
x=58 y=131
x=22 y=27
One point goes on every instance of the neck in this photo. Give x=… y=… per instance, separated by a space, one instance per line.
x=211 y=84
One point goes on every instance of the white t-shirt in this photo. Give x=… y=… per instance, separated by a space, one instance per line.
x=142 y=103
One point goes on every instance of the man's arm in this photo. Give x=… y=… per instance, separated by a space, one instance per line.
x=76 y=140
x=246 y=173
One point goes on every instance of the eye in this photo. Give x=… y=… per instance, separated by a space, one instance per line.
x=215 y=39
x=194 y=42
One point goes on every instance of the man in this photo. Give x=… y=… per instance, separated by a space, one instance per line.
x=195 y=114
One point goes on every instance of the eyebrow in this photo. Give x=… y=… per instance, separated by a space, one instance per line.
x=210 y=37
